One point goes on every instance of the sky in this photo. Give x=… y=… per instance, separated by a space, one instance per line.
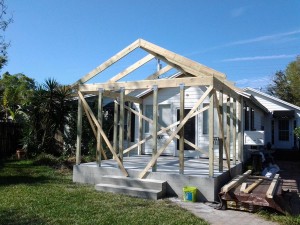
x=65 y=39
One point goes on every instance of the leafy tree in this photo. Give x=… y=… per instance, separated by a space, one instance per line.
x=286 y=84
x=47 y=116
x=15 y=91
x=4 y=22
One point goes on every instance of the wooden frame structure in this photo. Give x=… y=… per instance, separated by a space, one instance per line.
x=222 y=94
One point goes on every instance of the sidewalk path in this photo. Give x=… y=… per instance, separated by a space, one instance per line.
x=221 y=217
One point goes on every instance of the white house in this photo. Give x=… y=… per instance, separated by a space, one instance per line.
x=278 y=123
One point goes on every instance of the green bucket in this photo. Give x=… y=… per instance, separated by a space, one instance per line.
x=189 y=194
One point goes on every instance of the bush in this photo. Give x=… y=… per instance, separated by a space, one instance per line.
x=46 y=160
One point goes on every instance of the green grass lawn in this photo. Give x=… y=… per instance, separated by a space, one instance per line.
x=32 y=194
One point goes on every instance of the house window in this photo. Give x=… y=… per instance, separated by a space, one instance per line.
x=283 y=129
x=205 y=120
x=164 y=116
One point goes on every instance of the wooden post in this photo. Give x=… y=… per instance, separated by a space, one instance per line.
x=234 y=130
x=240 y=129
x=181 y=133
x=99 y=138
x=121 y=124
x=221 y=141
x=128 y=126
x=79 y=132
x=211 y=133
x=116 y=121
x=228 y=130
x=140 y=146
x=154 y=126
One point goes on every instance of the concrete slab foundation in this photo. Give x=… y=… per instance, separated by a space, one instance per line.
x=196 y=174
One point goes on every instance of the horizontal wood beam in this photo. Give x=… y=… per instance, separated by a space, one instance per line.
x=109 y=62
x=146 y=84
x=115 y=95
x=132 y=68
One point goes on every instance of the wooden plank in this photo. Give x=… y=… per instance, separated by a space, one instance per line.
x=143 y=173
x=86 y=106
x=180 y=60
x=220 y=115
x=181 y=134
x=253 y=186
x=236 y=181
x=228 y=126
x=115 y=95
x=121 y=124
x=159 y=73
x=233 y=118
x=146 y=84
x=99 y=138
x=116 y=122
x=140 y=146
x=100 y=116
x=154 y=126
x=128 y=127
x=222 y=132
x=79 y=132
x=243 y=187
x=211 y=133
x=240 y=110
x=131 y=68
x=272 y=188
x=108 y=63
x=154 y=76
x=228 y=89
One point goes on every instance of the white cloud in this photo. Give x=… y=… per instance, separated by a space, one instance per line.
x=263 y=38
x=286 y=36
x=252 y=58
x=238 y=12
x=258 y=82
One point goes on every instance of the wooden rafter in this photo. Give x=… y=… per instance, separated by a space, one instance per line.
x=131 y=68
x=108 y=63
x=183 y=62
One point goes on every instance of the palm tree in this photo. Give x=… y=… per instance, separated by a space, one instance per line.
x=47 y=112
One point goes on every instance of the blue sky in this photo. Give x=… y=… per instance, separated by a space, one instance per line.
x=65 y=39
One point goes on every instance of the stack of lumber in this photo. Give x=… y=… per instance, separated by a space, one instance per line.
x=247 y=192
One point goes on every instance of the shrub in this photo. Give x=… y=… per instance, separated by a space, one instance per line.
x=46 y=160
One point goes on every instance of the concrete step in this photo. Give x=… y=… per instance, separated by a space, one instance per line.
x=134 y=182
x=143 y=188
x=131 y=191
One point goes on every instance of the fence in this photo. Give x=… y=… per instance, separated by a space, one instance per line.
x=9 y=138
